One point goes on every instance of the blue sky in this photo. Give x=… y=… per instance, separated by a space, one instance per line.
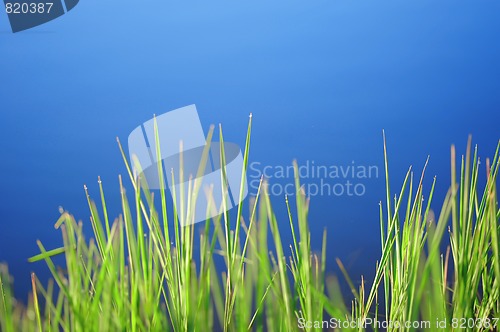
x=322 y=79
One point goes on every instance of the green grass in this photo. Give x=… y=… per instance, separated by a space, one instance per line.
x=137 y=274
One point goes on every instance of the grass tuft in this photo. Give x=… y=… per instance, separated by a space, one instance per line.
x=141 y=272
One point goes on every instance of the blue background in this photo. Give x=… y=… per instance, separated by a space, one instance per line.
x=322 y=78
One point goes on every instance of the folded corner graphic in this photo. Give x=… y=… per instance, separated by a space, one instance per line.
x=27 y=14
x=182 y=142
